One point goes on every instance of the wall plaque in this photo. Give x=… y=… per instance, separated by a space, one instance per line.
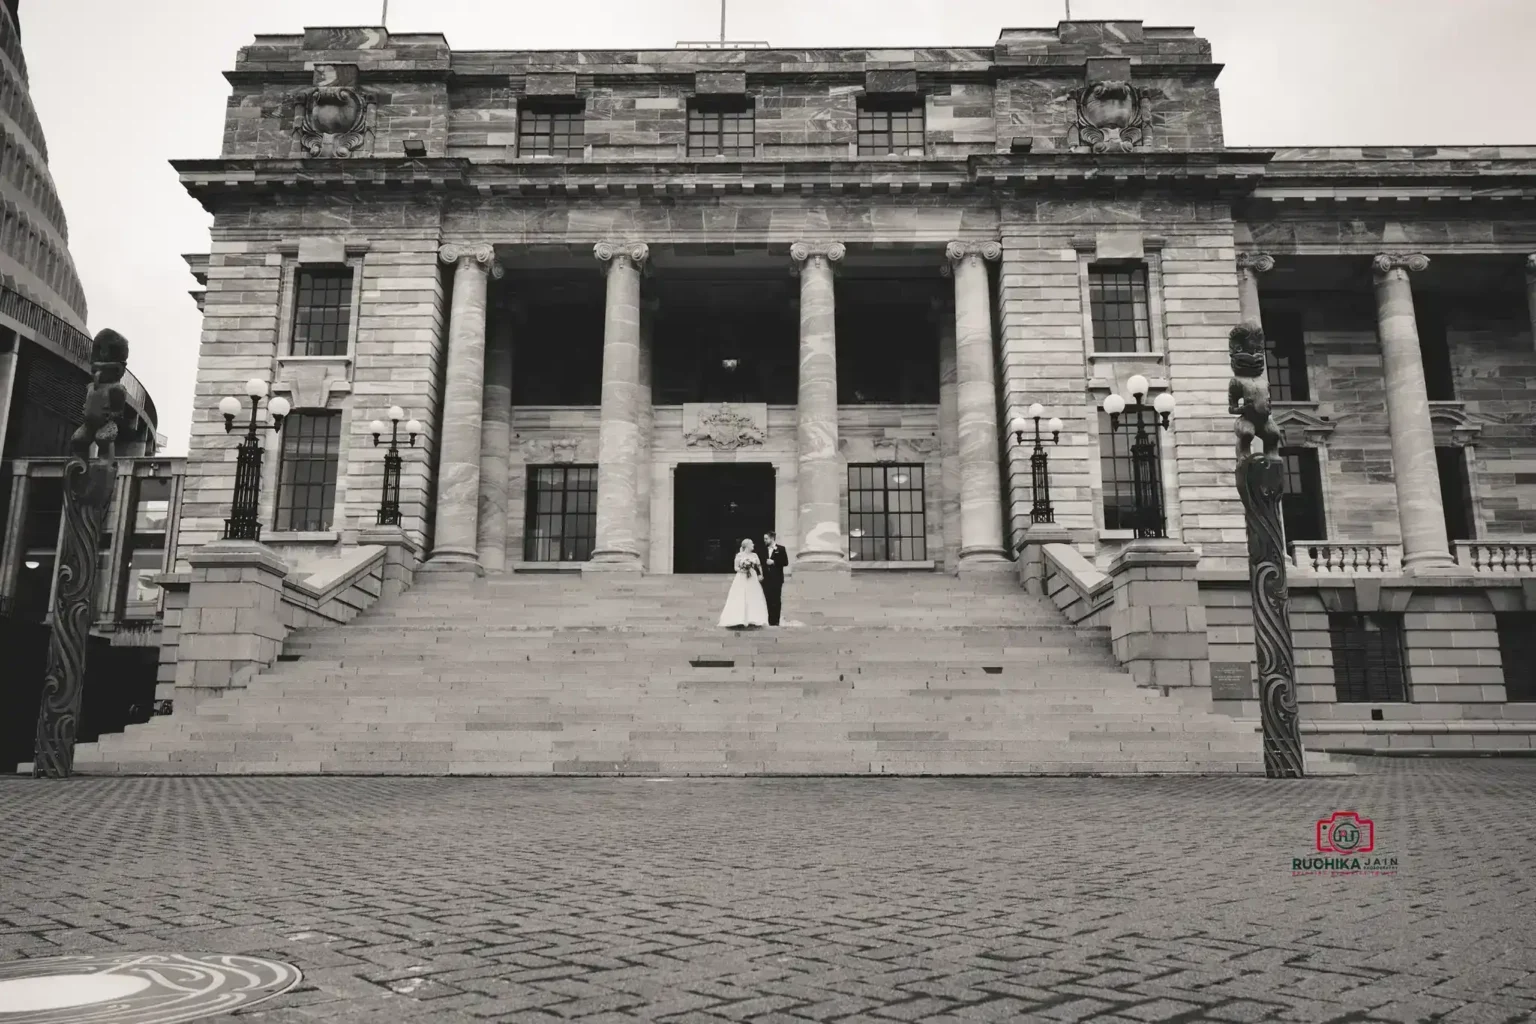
x=1231 y=680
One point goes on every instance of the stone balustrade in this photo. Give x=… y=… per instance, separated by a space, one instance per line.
x=1346 y=558
x=1510 y=556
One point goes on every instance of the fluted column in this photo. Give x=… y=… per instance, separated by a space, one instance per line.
x=1426 y=548
x=981 y=489
x=1249 y=266
x=647 y=427
x=949 y=436
x=618 y=440
x=820 y=479
x=455 y=535
x=496 y=440
x=1530 y=292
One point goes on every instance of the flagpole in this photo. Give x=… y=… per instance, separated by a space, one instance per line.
x=722 y=20
x=384 y=15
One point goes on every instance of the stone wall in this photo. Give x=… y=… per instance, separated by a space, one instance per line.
x=1046 y=337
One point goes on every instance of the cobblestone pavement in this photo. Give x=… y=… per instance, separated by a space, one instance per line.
x=782 y=900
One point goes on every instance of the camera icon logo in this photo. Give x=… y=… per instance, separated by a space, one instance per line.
x=1346 y=832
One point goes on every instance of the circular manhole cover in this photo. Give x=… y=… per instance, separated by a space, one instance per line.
x=136 y=988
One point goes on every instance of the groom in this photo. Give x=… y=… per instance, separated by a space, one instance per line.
x=775 y=560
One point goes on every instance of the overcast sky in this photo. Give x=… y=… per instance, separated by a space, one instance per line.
x=124 y=87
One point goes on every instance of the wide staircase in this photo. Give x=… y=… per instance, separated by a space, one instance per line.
x=894 y=673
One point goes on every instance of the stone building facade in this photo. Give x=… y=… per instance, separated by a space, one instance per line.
x=647 y=302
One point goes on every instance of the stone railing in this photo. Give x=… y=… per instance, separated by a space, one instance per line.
x=1346 y=558
x=1083 y=593
x=1513 y=556
x=226 y=619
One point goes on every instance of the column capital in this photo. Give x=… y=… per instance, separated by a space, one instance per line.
x=1390 y=261
x=1530 y=266
x=462 y=256
x=1258 y=262
x=987 y=250
x=824 y=253
x=616 y=254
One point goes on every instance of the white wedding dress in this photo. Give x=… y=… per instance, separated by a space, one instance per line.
x=745 y=604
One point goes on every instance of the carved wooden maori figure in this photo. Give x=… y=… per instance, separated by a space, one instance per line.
x=1260 y=483
x=88 y=486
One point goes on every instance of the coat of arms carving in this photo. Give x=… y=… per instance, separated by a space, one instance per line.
x=333 y=113
x=1109 y=117
x=727 y=427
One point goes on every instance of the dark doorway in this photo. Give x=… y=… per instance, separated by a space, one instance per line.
x=714 y=508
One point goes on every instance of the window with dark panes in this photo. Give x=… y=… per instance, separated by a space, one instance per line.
x=1116 y=470
x=891 y=125
x=1122 y=320
x=1367 y=657
x=1517 y=649
x=322 y=312
x=721 y=127
x=551 y=129
x=886 y=521
x=306 y=481
x=562 y=513
x=1301 y=504
x=1285 y=357
x=1456 y=493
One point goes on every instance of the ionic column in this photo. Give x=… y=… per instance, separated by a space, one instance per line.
x=455 y=537
x=981 y=489
x=496 y=441
x=647 y=427
x=1530 y=293
x=1426 y=549
x=949 y=437
x=821 y=468
x=618 y=441
x=1249 y=266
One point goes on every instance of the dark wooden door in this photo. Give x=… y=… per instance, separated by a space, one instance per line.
x=715 y=507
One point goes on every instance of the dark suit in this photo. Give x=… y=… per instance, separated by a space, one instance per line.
x=773 y=578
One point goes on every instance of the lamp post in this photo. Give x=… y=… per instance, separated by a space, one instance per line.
x=1039 y=463
x=1146 y=487
x=242 y=523
x=389 y=501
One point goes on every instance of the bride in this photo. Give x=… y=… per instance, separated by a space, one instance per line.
x=745 y=605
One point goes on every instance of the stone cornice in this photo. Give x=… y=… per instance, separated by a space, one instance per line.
x=1207 y=173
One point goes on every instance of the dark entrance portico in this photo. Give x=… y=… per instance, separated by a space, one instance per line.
x=716 y=507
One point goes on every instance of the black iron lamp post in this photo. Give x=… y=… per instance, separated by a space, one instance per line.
x=242 y=523
x=1146 y=486
x=389 y=503
x=1039 y=462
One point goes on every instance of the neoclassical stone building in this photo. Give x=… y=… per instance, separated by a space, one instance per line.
x=645 y=303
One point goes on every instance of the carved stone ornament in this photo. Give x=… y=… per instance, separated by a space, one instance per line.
x=725 y=428
x=617 y=253
x=311 y=383
x=1258 y=262
x=1390 y=261
x=554 y=449
x=1530 y=267
x=333 y=119
x=460 y=255
x=822 y=253
x=954 y=252
x=1109 y=118
x=897 y=449
x=1293 y=420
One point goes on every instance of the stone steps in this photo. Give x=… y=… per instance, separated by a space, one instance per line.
x=908 y=674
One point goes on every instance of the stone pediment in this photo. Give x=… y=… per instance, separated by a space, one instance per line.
x=1452 y=422
x=725 y=426
x=1299 y=420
